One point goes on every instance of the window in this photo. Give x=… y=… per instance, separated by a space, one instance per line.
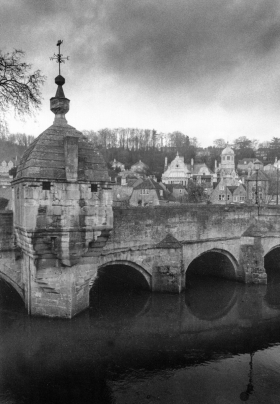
x=46 y=185
x=161 y=192
x=224 y=157
x=221 y=197
x=180 y=191
x=228 y=157
x=228 y=197
x=242 y=198
x=221 y=187
x=93 y=187
x=235 y=199
x=144 y=192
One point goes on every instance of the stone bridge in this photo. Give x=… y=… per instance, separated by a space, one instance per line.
x=163 y=242
x=160 y=243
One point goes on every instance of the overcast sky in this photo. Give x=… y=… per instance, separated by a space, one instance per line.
x=208 y=68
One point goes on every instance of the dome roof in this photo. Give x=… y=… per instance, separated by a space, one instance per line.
x=45 y=157
x=228 y=150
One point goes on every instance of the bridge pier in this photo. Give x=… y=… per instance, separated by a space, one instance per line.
x=251 y=260
x=54 y=292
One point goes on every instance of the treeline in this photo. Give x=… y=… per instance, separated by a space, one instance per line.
x=13 y=145
x=135 y=139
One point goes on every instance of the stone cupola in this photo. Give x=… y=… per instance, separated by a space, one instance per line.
x=62 y=215
x=61 y=152
x=227 y=158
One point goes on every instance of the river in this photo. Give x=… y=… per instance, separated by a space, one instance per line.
x=218 y=342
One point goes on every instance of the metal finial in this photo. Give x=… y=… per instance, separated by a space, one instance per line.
x=59 y=59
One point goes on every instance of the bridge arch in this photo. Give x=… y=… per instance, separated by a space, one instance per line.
x=209 y=258
x=272 y=263
x=13 y=284
x=129 y=264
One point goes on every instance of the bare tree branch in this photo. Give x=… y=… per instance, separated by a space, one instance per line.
x=19 y=86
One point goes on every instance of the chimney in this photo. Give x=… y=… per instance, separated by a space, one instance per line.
x=165 y=164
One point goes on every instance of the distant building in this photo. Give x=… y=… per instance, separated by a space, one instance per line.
x=5 y=167
x=150 y=193
x=139 y=167
x=178 y=191
x=257 y=182
x=5 y=178
x=270 y=169
x=223 y=194
x=116 y=164
x=226 y=169
x=178 y=172
x=262 y=153
x=201 y=174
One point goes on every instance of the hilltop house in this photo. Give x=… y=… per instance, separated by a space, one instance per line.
x=178 y=172
x=223 y=194
x=150 y=193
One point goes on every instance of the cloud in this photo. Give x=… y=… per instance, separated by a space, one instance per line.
x=199 y=46
x=154 y=58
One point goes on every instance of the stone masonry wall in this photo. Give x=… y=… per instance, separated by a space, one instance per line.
x=139 y=226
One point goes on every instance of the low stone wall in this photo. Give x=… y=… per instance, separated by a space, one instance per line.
x=136 y=226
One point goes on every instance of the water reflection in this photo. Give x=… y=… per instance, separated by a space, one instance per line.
x=245 y=395
x=210 y=298
x=272 y=265
x=143 y=348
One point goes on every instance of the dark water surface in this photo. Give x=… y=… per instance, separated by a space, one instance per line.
x=219 y=342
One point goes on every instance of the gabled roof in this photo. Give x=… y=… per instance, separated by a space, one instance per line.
x=261 y=177
x=197 y=166
x=149 y=184
x=140 y=163
x=232 y=188
x=135 y=182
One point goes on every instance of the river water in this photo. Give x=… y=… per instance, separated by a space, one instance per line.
x=218 y=342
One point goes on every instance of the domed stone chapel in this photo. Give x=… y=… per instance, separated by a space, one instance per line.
x=62 y=215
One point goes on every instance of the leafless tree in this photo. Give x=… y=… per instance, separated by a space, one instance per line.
x=19 y=86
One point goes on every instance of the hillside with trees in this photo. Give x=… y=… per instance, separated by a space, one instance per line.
x=12 y=146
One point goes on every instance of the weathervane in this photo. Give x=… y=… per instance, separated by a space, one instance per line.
x=59 y=59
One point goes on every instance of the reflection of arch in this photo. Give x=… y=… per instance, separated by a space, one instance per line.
x=211 y=299
x=131 y=264
x=272 y=268
x=12 y=283
x=237 y=273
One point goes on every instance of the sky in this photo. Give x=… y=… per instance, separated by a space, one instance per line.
x=207 y=68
